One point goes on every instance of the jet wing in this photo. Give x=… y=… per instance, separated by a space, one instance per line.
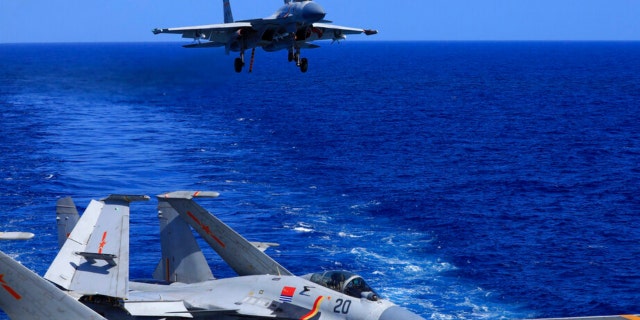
x=327 y=31
x=220 y=33
x=241 y=255
x=25 y=295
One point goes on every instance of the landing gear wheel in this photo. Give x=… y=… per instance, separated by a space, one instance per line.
x=290 y=56
x=238 y=65
x=304 y=65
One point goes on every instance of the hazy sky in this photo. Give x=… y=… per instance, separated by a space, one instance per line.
x=132 y=20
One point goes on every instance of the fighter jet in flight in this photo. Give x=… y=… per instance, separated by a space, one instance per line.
x=89 y=278
x=293 y=27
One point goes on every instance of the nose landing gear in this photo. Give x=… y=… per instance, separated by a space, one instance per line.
x=302 y=63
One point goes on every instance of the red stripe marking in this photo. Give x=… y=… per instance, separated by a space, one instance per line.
x=206 y=229
x=314 y=311
x=9 y=289
x=103 y=242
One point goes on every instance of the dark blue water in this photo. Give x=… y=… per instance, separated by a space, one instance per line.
x=463 y=180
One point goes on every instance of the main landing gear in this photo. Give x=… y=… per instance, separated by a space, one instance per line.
x=239 y=62
x=302 y=63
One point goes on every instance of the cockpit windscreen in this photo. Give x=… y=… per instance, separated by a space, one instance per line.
x=345 y=282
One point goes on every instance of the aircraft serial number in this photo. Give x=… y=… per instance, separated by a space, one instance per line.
x=342 y=306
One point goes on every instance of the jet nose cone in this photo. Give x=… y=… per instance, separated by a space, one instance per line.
x=313 y=12
x=397 y=313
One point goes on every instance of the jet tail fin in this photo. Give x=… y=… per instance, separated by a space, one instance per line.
x=95 y=257
x=182 y=259
x=241 y=255
x=24 y=295
x=228 y=16
x=66 y=218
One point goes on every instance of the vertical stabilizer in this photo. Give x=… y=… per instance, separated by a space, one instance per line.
x=66 y=218
x=95 y=257
x=182 y=259
x=228 y=16
x=241 y=255
x=24 y=295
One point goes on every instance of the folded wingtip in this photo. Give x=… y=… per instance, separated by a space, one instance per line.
x=189 y=194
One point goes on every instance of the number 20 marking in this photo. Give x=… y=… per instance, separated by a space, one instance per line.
x=342 y=306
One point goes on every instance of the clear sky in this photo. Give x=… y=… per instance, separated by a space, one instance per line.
x=132 y=20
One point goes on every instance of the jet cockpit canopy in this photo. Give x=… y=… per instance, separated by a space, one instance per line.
x=343 y=281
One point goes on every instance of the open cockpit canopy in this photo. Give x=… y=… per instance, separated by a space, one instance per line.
x=345 y=282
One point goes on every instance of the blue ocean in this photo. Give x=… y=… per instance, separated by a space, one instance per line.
x=463 y=180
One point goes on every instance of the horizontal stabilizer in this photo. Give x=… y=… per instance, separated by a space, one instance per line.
x=92 y=257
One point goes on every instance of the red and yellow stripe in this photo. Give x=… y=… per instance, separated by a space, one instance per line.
x=314 y=311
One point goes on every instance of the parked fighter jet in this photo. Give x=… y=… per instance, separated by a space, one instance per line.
x=293 y=27
x=91 y=270
x=91 y=274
